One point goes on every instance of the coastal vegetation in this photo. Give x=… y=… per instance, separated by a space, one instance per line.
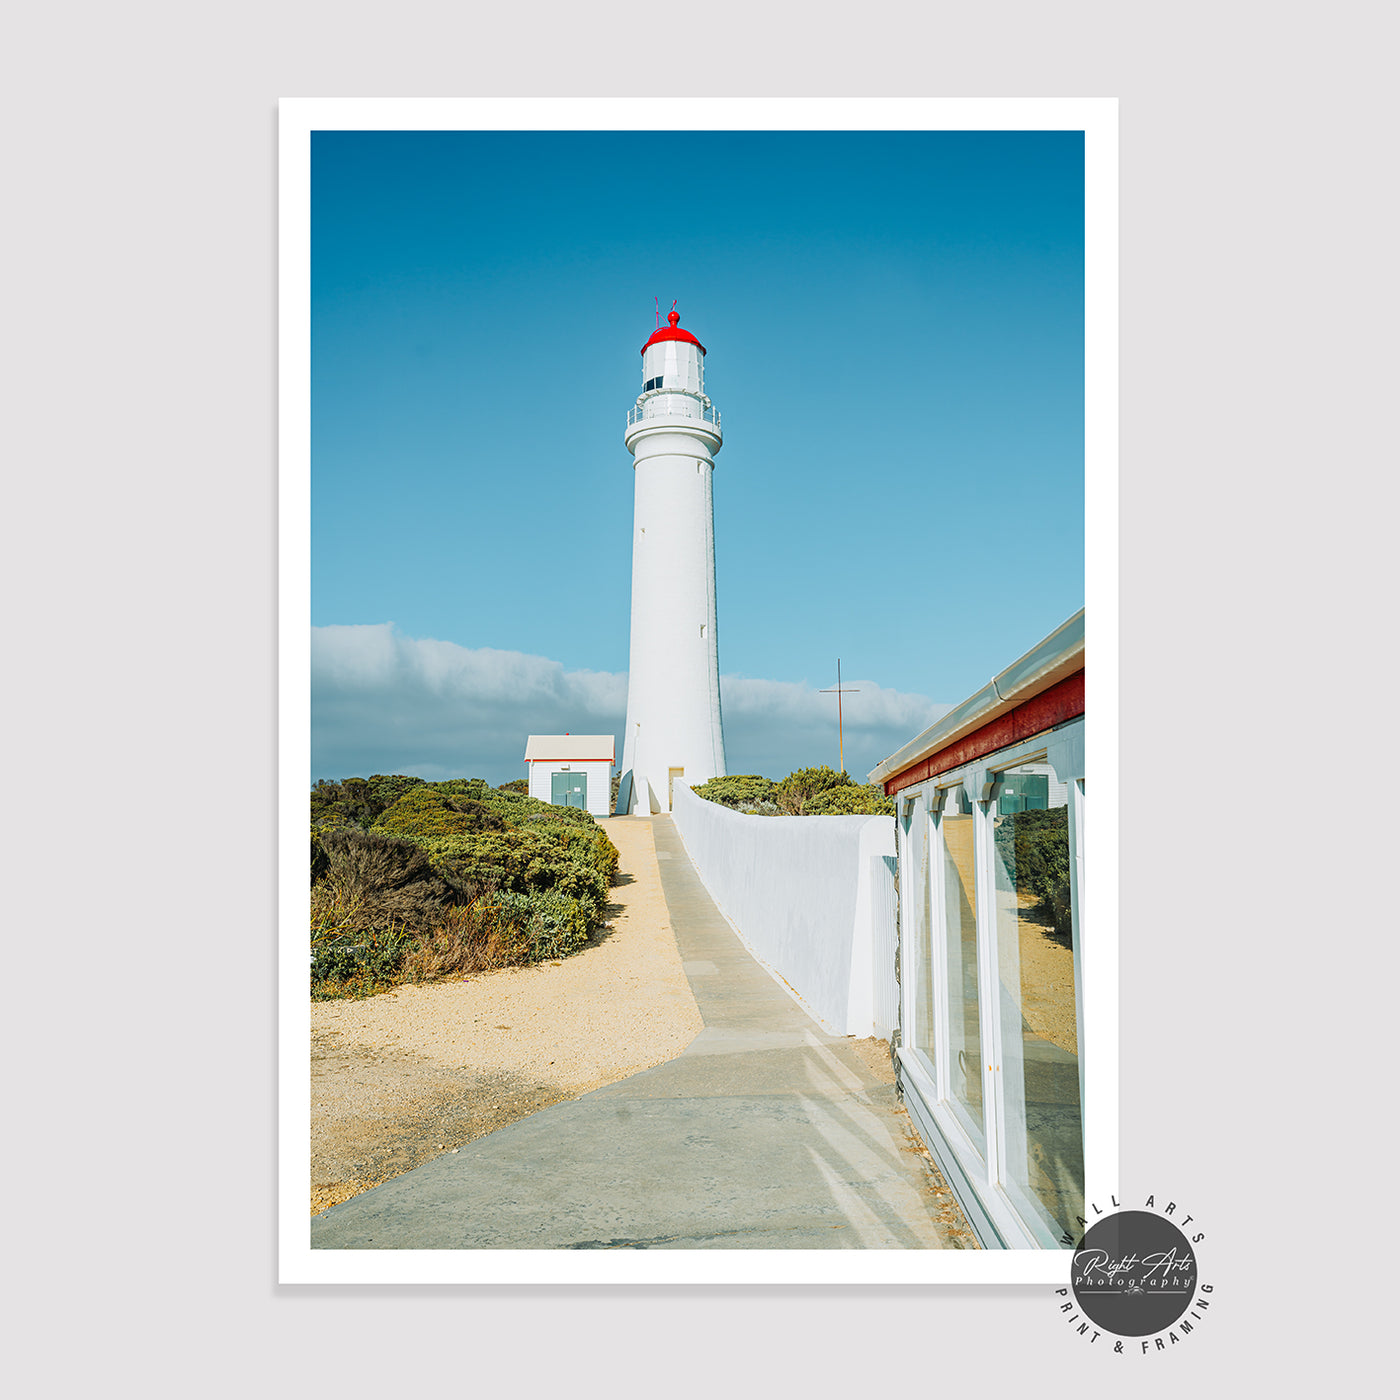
x=412 y=880
x=805 y=792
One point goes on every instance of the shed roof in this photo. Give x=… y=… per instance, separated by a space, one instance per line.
x=580 y=748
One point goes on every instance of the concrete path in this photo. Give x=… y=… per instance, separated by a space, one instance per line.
x=765 y=1133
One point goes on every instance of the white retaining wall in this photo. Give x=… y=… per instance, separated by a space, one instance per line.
x=811 y=896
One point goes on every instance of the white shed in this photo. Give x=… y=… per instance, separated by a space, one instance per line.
x=571 y=770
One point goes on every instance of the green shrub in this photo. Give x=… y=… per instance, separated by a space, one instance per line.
x=519 y=786
x=480 y=837
x=549 y=923
x=739 y=790
x=384 y=789
x=339 y=804
x=851 y=799
x=357 y=801
x=483 y=816
x=588 y=846
x=795 y=793
x=424 y=812
x=515 y=808
x=358 y=964
x=523 y=811
x=604 y=854
x=352 y=952
x=452 y=877
x=806 y=792
x=522 y=861
x=476 y=788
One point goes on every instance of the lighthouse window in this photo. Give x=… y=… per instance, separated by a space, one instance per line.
x=652 y=383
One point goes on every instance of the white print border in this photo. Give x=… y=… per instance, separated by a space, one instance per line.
x=298 y=117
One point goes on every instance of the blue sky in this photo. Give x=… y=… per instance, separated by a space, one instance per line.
x=895 y=332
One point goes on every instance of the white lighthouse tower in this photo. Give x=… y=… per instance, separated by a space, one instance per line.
x=674 y=732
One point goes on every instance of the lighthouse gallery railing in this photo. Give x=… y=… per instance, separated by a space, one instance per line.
x=653 y=409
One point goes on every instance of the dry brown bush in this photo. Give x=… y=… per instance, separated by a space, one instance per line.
x=466 y=938
x=381 y=879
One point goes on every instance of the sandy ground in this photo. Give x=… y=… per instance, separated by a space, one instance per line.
x=1047 y=978
x=402 y=1077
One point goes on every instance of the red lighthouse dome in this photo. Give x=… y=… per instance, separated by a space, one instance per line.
x=673 y=332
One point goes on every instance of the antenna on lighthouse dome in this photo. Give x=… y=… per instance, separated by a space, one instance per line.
x=657 y=300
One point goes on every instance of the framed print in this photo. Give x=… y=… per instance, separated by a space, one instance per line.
x=695 y=518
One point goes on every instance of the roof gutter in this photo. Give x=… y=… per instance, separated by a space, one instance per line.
x=1061 y=654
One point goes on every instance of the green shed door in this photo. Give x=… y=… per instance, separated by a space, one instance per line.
x=1024 y=792
x=569 y=789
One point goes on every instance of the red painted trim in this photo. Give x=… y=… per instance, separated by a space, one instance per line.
x=1063 y=701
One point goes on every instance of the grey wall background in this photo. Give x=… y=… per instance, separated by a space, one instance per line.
x=141 y=591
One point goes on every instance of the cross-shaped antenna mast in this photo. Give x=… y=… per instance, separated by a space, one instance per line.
x=840 y=722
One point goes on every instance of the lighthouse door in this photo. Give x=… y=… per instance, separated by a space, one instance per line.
x=671 y=775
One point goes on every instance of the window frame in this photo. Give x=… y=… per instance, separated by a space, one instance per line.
x=996 y=1213
x=938 y=875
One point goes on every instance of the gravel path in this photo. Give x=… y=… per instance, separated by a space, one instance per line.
x=402 y=1077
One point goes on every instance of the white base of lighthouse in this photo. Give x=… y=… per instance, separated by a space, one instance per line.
x=674 y=729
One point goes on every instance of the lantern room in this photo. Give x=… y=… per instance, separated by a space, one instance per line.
x=673 y=359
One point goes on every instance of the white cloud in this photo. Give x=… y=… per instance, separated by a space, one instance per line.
x=385 y=703
x=772 y=727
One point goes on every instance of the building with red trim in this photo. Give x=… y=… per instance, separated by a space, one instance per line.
x=989 y=1045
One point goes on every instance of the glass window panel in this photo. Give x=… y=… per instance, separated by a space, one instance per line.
x=959 y=934
x=1043 y=1154
x=923 y=960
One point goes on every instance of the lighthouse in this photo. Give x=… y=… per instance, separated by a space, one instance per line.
x=674 y=734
